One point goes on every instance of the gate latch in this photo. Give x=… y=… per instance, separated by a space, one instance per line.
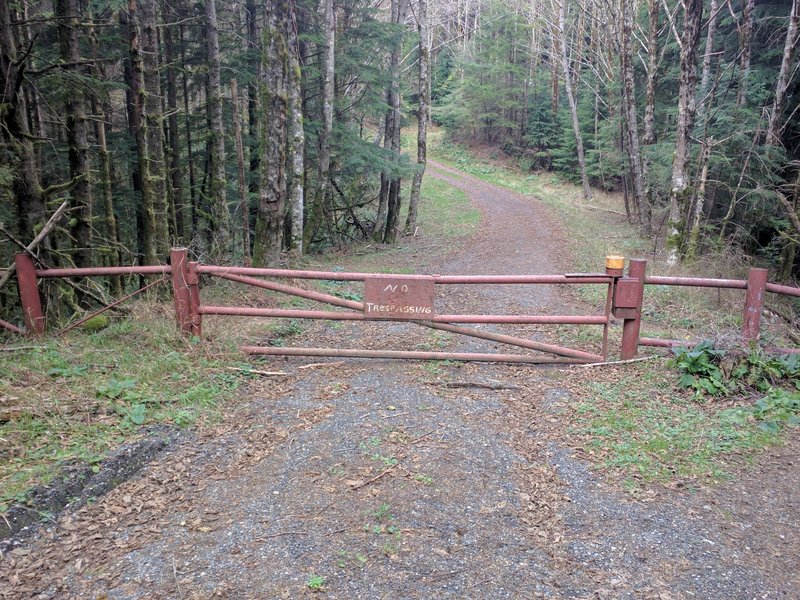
x=626 y=298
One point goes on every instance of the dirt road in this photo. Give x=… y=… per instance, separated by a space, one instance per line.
x=376 y=479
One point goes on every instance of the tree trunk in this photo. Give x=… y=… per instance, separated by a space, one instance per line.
x=254 y=54
x=697 y=213
x=67 y=13
x=175 y=178
x=395 y=198
x=638 y=174
x=297 y=140
x=146 y=94
x=422 y=117
x=705 y=78
x=244 y=205
x=573 y=105
x=649 y=134
x=189 y=150
x=25 y=186
x=219 y=201
x=693 y=17
x=775 y=126
x=324 y=153
x=745 y=51
x=275 y=113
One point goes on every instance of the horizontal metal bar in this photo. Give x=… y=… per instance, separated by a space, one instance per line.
x=10 y=327
x=521 y=279
x=439 y=279
x=408 y=355
x=525 y=319
x=247 y=311
x=293 y=291
x=661 y=343
x=286 y=273
x=739 y=284
x=513 y=341
x=101 y=271
x=787 y=290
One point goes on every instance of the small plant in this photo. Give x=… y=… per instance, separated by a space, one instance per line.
x=424 y=479
x=315 y=583
x=700 y=369
x=775 y=410
x=383 y=512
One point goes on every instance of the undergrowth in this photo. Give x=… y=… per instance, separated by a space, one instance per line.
x=72 y=399
x=690 y=421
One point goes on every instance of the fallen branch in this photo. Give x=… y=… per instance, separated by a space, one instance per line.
x=264 y=373
x=21 y=348
x=374 y=479
x=608 y=210
x=323 y=364
x=475 y=384
x=617 y=362
x=51 y=223
x=280 y=533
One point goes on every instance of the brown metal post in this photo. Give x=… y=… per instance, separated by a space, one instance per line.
x=754 y=304
x=630 y=327
x=194 y=299
x=29 y=293
x=180 y=289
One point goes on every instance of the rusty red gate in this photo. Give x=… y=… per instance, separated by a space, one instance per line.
x=410 y=298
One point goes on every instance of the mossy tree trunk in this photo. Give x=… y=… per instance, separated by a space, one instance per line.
x=274 y=98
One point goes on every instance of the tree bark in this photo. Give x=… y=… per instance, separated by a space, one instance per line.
x=649 y=133
x=422 y=117
x=705 y=77
x=395 y=198
x=219 y=199
x=745 y=51
x=297 y=140
x=693 y=17
x=146 y=94
x=573 y=105
x=189 y=150
x=324 y=152
x=244 y=204
x=697 y=213
x=26 y=186
x=775 y=125
x=67 y=13
x=175 y=178
x=637 y=167
x=275 y=113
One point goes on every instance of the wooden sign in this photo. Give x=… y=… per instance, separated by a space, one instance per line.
x=397 y=297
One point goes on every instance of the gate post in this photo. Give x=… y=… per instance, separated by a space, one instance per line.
x=630 y=326
x=180 y=289
x=194 y=300
x=29 y=293
x=754 y=304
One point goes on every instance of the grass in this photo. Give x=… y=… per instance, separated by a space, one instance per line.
x=72 y=399
x=649 y=431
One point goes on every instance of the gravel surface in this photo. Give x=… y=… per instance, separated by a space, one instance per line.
x=407 y=480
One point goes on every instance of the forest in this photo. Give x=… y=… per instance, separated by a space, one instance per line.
x=256 y=131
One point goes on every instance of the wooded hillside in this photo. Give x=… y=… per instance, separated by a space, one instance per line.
x=245 y=129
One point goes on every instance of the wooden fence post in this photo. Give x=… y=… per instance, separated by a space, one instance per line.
x=754 y=304
x=29 y=293
x=630 y=326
